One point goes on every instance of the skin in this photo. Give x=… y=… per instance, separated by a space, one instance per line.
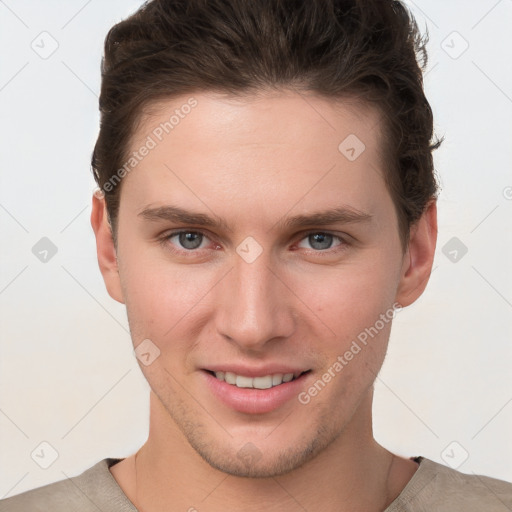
x=255 y=161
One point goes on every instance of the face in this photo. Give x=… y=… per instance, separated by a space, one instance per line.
x=252 y=246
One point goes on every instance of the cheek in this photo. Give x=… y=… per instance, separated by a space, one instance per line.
x=356 y=306
x=162 y=299
x=348 y=299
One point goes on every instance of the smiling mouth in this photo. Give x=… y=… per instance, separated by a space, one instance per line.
x=264 y=382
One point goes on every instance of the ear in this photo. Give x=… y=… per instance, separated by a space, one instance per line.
x=105 y=248
x=419 y=257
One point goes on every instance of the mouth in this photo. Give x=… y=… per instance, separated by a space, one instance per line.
x=262 y=382
x=256 y=390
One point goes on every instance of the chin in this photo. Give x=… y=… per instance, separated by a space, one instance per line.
x=250 y=462
x=259 y=459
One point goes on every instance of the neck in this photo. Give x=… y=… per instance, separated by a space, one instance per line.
x=353 y=473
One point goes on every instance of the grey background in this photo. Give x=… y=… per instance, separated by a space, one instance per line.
x=67 y=374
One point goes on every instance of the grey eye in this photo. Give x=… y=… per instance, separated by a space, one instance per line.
x=320 y=240
x=189 y=239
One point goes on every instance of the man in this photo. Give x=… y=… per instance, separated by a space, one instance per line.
x=266 y=204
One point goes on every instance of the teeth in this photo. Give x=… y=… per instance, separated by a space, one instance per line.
x=266 y=382
x=229 y=377
x=262 y=382
x=277 y=379
x=243 y=382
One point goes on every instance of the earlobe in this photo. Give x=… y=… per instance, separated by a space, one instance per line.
x=419 y=257
x=105 y=248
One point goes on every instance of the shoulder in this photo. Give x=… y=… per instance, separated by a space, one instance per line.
x=95 y=489
x=435 y=487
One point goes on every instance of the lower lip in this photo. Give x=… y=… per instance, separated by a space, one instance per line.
x=254 y=401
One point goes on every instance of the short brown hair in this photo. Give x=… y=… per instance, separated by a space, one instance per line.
x=369 y=49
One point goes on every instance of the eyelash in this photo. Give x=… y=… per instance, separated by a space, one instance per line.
x=165 y=240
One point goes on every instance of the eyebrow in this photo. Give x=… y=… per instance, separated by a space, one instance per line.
x=340 y=215
x=182 y=216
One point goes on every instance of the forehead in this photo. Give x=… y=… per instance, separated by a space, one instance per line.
x=259 y=117
x=274 y=149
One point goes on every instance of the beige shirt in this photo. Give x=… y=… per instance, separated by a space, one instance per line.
x=433 y=488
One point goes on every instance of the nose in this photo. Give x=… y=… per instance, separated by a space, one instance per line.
x=254 y=305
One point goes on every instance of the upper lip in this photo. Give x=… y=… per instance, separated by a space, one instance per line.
x=261 y=371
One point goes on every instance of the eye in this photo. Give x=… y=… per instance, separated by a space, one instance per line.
x=320 y=241
x=187 y=240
